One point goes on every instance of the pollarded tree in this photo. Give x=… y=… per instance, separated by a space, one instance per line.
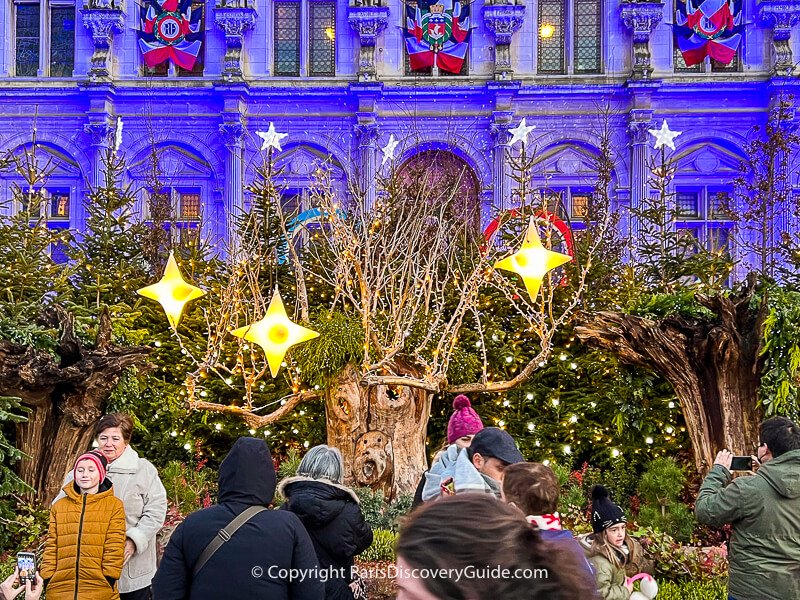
x=723 y=350
x=397 y=290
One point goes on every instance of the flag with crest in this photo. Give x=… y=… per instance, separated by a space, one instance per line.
x=708 y=28
x=170 y=30
x=437 y=32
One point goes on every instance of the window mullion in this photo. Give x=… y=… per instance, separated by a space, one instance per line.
x=305 y=38
x=44 y=39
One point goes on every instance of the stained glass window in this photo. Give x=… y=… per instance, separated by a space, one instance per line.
x=190 y=206
x=688 y=204
x=27 y=36
x=323 y=39
x=587 y=36
x=580 y=205
x=62 y=41
x=287 y=38
x=59 y=204
x=550 y=34
x=679 y=65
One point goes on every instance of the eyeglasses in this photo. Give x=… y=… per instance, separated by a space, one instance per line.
x=757 y=445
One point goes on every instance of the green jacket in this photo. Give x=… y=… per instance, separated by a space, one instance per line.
x=610 y=579
x=764 y=510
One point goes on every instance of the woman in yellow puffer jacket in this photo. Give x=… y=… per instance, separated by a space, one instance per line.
x=85 y=544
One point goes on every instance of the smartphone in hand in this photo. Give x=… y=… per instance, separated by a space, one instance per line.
x=742 y=463
x=26 y=564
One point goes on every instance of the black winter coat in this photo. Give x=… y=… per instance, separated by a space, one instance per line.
x=333 y=519
x=249 y=564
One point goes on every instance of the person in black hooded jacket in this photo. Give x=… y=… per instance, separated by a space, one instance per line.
x=255 y=562
x=331 y=514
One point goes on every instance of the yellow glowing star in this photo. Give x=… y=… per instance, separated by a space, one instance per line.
x=275 y=333
x=533 y=261
x=172 y=292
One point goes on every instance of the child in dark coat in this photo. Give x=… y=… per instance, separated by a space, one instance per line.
x=331 y=514
x=534 y=489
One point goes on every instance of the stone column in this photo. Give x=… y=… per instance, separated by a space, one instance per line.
x=641 y=121
x=501 y=123
x=641 y=18
x=781 y=16
x=503 y=20
x=102 y=18
x=232 y=131
x=100 y=129
x=368 y=22
x=234 y=17
x=367 y=136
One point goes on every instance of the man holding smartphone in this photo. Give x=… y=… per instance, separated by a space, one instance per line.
x=763 y=510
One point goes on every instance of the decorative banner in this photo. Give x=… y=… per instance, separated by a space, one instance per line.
x=712 y=28
x=170 y=30
x=437 y=32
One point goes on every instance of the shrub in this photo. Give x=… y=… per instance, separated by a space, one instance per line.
x=676 y=562
x=189 y=489
x=380 y=515
x=382 y=548
x=659 y=488
x=693 y=590
x=22 y=524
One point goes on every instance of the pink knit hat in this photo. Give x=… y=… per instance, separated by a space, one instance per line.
x=464 y=421
x=97 y=458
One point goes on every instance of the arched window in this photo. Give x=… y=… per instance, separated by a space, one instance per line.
x=703 y=191
x=177 y=192
x=60 y=189
x=440 y=176
x=569 y=37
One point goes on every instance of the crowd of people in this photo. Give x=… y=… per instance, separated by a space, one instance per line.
x=484 y=525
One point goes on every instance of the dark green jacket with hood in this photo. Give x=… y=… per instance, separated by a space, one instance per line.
x=764 y=510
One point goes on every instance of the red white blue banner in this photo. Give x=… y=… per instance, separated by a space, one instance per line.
x=437 y=32
x=708 y=28
x=170 y=30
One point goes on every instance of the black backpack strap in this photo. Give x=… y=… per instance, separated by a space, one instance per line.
x=224 y=534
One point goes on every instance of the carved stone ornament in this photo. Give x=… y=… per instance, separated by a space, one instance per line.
x=100 y=130
x=368 y=21
x=234 y=18
x=102 y=23
x=503 y=20
x=641 y=18
x=781 y=17
x=232 y=131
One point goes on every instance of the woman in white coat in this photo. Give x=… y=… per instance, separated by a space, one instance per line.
x=137 y=484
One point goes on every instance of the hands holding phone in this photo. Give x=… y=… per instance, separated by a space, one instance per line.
x=10 y=588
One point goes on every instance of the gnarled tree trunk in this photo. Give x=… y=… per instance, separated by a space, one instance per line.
x=380 y=431
x=712 y=364
x=66 y=393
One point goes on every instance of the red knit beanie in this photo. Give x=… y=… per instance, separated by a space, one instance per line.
x=97 y=458
x=464 y=421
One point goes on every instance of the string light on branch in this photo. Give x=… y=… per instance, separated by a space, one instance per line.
x=172 y=292
x=275 y=333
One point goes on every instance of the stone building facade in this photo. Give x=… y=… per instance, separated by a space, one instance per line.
x=335 y=77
